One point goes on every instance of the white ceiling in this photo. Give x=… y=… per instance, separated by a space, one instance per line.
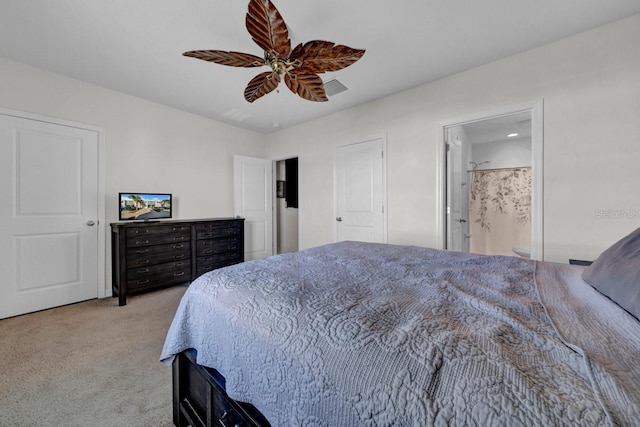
x=496 y=129
x=135 y=46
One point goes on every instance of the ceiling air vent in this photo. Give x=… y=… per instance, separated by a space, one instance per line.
x=236 y=115
x=333 y=87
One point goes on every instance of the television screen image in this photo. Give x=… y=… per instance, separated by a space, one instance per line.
x=144 y=206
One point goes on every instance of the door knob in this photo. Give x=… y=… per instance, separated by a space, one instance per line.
x=91 y=223
x=339 y=218
x=462 y=220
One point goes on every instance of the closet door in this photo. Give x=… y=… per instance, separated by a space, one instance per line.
x=48 y=214
x=360 y=192
x=253 y=200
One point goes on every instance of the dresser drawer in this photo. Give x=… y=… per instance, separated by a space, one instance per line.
x=146 y=236
x=216 y=246
x=214 y=230
x=180 y=267
x=150 y=255
x=159 y=275
x=225 y=412
x=157 y=230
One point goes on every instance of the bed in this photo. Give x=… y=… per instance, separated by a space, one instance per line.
x=364 y=334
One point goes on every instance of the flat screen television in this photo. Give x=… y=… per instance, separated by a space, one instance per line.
x=145 y=206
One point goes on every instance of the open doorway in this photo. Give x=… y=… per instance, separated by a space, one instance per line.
x=286 y=206
x=493 y=209
x=491 y=171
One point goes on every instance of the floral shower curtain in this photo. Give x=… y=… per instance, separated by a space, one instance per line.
x=500 y=210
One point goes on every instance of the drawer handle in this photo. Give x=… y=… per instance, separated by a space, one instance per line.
x=178 y=246
x=178 y=238
x=207 y=235
x=142 y=282
x=179 y=256
x=142 y=251
x=144 y=270
x=207 y=252
x=178 y=274
x=146 y=261
x=141 y=242
x=179 y=264
x=222 y=420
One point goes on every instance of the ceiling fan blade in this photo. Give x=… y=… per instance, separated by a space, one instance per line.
x=319 y=56
x=261 y=85
x=233 y=59
x=306 y=85
x=268 y=29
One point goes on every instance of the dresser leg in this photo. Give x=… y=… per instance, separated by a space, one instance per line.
x=122 y=295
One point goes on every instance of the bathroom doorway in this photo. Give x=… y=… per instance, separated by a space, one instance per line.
x=492 y=185
x=498 y=176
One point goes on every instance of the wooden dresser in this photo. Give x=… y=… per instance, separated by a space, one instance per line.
x=153 y=255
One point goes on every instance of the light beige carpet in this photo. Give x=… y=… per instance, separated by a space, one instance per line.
x=88 y=364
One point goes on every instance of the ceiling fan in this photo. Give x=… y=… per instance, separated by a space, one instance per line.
x=299 y=66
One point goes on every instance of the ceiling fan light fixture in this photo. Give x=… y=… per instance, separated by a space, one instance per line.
x=298 y=67
x=278 y=66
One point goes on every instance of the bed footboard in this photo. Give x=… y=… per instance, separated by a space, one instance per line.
x=200 y=399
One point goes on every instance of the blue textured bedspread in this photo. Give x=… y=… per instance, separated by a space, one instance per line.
x=356 y=334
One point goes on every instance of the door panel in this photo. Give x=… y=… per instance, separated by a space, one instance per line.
x=253 y=201
x=360 y=192
x=458 y=150
x=255 y=232
x=49 y=176
x=57 y=254
x=455 y=234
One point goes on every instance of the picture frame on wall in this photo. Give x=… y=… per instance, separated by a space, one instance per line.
x=280 y=189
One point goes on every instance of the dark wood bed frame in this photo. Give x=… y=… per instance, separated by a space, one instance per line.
x=200 y=399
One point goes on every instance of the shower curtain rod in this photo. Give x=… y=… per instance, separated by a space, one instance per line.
x=498 y=169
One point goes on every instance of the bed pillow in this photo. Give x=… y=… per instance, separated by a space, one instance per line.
x=616 y=273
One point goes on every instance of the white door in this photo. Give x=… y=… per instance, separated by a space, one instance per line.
x=48 y=215
x=455 y=218
x=360 y=192
x=253 y=201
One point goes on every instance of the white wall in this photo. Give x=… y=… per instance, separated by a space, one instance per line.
x=502 y=154
x=591 y=92
x=149 y=147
